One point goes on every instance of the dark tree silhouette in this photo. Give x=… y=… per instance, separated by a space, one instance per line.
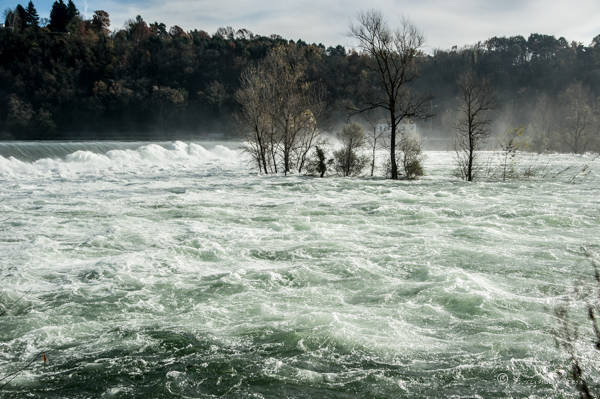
x=92 y=83
x=31 y=16
x=101 y=21
x=476 y=100
x=59 y=17
x=72 y=11
x=394 y=54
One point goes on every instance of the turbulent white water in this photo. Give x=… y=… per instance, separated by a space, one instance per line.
x=170 y=269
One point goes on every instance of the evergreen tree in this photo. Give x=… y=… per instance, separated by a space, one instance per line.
x=19 y=18
x=72 y=11
x=31 y=16
x=58 y=17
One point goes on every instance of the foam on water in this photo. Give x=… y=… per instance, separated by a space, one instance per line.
x=172 y=155
x=170 y=269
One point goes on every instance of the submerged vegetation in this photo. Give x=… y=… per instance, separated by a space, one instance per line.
x=348 y=161
x=569 y=337
x=279 y=110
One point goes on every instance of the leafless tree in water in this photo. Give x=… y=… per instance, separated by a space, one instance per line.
x=394 y=56
x=280 y=110
x=473 y=127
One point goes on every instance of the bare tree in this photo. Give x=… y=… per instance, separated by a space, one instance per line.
x=296 y=103
x=543 y=124
x=252 y=96
x=577 y=118
x=567 y=335
x=279 y=109
x=376 y=134
x=394 y=54
x=476 y=100
x=510 y=143
x=308 y=139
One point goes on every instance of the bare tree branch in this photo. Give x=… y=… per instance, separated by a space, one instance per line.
x=393 y=54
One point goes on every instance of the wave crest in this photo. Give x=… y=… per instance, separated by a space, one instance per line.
x=170 y=155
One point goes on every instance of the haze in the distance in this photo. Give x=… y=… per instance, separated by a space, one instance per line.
x=445 y=24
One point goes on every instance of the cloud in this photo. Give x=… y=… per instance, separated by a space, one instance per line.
x=444 y=23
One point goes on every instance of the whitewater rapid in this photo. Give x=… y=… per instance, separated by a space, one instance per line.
x=174 y=270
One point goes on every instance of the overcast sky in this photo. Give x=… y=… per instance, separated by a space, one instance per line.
x=444 y=23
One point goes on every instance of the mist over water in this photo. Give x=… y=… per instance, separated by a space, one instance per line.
x=172 y=270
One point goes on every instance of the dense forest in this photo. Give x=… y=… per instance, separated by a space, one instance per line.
x=70 y=77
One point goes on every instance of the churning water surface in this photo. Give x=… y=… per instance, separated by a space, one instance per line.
x=173 y=270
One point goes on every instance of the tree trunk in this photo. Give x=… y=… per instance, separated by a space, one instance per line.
x=373 y=160
x=470 y=166
x=470 y=163
x=273 y=157
x=347 y=163
x=264 y=161
x=286 y=149
x=261 y=153
x=303 y=160
x=393 y=164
